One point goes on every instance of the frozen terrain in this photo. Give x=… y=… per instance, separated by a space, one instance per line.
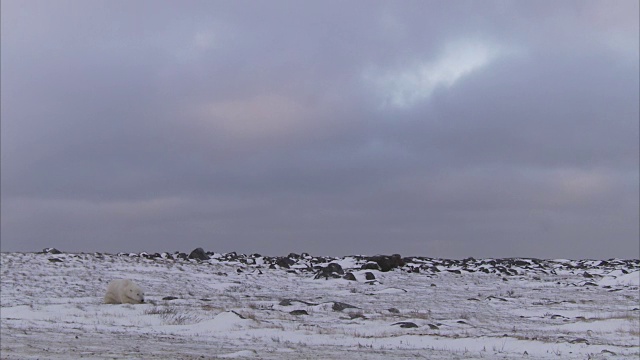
x=298 y=307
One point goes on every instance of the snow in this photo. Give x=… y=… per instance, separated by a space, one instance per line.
x=241 y=309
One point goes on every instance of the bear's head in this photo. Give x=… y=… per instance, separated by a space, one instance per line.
x=135 y=293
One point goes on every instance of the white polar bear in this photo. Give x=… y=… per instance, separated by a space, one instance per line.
x=123 y=291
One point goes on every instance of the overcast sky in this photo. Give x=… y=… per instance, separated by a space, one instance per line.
x=434 y=128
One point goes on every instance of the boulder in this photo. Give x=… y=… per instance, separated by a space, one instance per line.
x=198 y=254
x=387 y=263
x=339 y=306
x=369 y=276
x=333 y=270
x=371 y=265
x=284 y=262
x=406 y=324
x=53 y=251
x=350 y=277
x=299 y=312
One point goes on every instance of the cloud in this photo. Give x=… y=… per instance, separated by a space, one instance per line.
x=465 y=128
x=406 y=86
x=260 y=117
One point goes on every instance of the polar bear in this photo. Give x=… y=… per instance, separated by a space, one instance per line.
x=123 y=291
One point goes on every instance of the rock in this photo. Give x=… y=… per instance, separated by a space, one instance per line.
x=520 y=263
x=371 y=265
x=289 y=302
x=369 y=276
x=168 y=298
x=355 y=315
x=393 y=310
x=387 y=263
x=433 y=327
x=232 y=256
x=284 y=262
x=55 y=260
x=579 y=340
x=406 y=324
x=332 y=270
x=339 y=306
x=299 y=312
x=349 y=276
x=53 y=251
x=198 y=254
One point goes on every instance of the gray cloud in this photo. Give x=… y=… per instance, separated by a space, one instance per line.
x=458 y=129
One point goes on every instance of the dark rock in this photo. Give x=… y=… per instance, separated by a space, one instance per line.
x=433 y=327
x=299 y=312
x=349 y=276
x=579 y=340
x=289 y=302
x=355 y=315
x=332 y=270
x=406 y=324
x=371 y=265
x=521 y=263
x=198 y=254
x=587 y=275
x=54 y=260
x=394 y=311
x=369 y=276
x=232 y=256
x=169 y=298
x=52 y=251
x=284 y=262
x=455 y=271
x=339 y=306
x=387 y=263
x=182 y=256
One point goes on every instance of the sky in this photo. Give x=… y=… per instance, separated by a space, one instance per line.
x=427 y=128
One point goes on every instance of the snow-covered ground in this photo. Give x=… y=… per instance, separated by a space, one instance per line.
x=236 y=306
